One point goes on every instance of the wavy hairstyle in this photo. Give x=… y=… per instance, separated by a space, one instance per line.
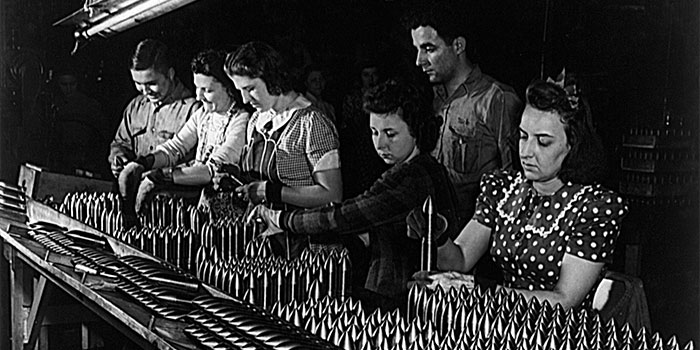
x=585 y=162
x=211 y=63
x=257 y=59
x=151 y=53
x=443 y=16
x=412 y=103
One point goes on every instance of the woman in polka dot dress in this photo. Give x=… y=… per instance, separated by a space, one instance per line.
x=550 y=228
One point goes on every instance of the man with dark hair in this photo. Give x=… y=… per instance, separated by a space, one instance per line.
x=156 y=115
x=480 y=114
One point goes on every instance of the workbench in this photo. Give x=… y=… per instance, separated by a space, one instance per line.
x=36 y=273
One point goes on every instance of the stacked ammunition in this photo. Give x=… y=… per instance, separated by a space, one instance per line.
x=59 y=240
x=176 y=246
x=96 y=262
x=12 y=202
x=165 y=211
x=230 y=324
x=506 y=320
x=103 y=212
x=228 y=253
x=230 y=238
x=226 y=239
x=464 y=319
x=171 y=229
x=261 y=278
x=311 y=293
x=346 y=324
x=52 y=238
x=79 y=246
x=99 y=210
x=166 y=291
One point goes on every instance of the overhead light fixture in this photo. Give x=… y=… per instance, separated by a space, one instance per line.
x=105 y=18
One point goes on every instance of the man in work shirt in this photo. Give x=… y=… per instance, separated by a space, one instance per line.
x=157 y=113
x=480 y=115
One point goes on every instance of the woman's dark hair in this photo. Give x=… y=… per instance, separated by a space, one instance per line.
x=259 y=60
x=585 y=162
x=211 y=63
x=412 y=103
x=151 y=53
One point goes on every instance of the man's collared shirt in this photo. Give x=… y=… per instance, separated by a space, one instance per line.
x=478 y=133
x=145 y=124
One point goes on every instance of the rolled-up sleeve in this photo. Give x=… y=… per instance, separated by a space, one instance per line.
x=169 y=153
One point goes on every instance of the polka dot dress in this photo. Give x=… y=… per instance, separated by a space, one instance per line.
x=531 y=233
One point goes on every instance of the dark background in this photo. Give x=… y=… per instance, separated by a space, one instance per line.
x=638 y=60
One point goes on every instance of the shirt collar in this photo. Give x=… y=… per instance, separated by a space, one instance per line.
x=472 y=79
x=278 y=120
x=530 y=188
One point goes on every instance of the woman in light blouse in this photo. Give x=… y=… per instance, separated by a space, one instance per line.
x=215 y=134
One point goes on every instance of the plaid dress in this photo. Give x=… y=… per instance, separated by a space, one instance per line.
x=382 y=211
x=287 y=148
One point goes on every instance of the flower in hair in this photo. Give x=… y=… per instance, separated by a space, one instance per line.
x=572 y=91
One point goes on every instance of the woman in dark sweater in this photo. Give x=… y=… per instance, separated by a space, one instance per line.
x=404 y=132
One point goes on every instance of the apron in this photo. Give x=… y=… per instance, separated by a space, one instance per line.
x=219 y=204
x=259 y=163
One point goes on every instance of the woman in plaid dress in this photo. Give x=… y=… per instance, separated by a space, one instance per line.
x=290 y=159
x=404 y=132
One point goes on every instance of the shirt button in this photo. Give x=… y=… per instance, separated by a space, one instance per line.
x=153 y=129
x=151 y=148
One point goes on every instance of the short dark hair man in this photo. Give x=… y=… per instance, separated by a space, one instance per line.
x=151 y=118
x=157 y=113
x=480 y=114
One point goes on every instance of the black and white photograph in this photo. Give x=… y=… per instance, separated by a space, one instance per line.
x=349 y=174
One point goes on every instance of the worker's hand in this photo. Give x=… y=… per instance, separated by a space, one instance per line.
x=161 y=176
x=129 y=178
x=223 y=182
x=417 y=225
x=445 y=279
x=422 y=279
x=231 y=169
x=227 y=177
x=128 y=181
x=253 y=192
x=144 y=194
x=269 y=216
x=118 y=165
